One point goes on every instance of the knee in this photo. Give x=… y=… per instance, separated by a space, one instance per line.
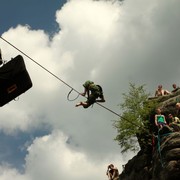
x=86 y=105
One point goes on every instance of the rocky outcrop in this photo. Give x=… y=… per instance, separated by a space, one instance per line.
x=167 y=103
x=138 y=168
x=162 y=164
x=166 y=158
x=162 y=161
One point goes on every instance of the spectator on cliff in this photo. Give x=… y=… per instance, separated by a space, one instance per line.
x=178 y=110
x=174 y=123
x=173 y=119
x=112 y=172
x=161 y=92
x=175 y=88
x=160 y=119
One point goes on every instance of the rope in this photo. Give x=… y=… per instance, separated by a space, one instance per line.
x=69 y=95
x=118 y=115
x=64 y=81
x=38 y=64
x=159 y=149
x=159 y=145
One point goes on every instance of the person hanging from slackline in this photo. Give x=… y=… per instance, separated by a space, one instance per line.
x=93 y=92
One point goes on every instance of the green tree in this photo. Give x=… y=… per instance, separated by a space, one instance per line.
x=134 y=119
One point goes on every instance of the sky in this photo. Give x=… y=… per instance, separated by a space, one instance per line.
x=43 y=135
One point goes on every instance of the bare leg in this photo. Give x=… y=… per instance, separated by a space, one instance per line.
x=84 y=104
x=81 y=104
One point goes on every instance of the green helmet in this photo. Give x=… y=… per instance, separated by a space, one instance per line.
x=87 y=83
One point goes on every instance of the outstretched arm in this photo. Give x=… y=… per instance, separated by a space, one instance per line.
x=109 y=175
x=166 y=92
x=156 y=120
x=165 y=119
x=156 y=93
x=115 y=173
x=86 y=91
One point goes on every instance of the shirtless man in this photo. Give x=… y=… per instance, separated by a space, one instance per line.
x=161 y=92
x=112 y=172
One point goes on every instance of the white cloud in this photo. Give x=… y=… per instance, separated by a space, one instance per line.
x=7 y=172
x=51 y=157
x=102 y=41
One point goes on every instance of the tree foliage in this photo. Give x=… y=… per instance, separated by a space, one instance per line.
x=134 y=119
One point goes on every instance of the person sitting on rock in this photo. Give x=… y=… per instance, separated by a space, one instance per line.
x=112 y=172
x=174 y=123
x=173 y=120
x=161 y=92
x=175 y=88
x=160 y=119
x=178 y=110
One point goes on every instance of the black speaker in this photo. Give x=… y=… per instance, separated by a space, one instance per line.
x=14 y=80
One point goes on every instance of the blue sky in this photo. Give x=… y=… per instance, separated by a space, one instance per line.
x=37 y=14
x=107 y=42
x=13 y=148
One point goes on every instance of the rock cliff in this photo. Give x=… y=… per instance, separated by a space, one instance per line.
x=162 y=159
